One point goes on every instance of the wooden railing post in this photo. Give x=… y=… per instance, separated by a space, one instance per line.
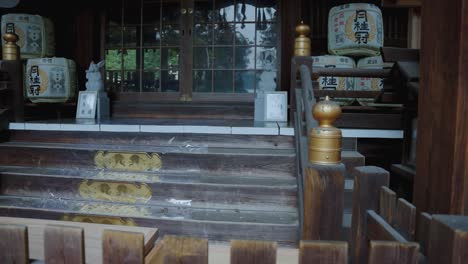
x=14 y=244
x=367 y=185
x=323 y=202
x=335 y=252
x=448 y=240
x=253 y=252
x=383 y=252
x=64 y=245
x=119 y=247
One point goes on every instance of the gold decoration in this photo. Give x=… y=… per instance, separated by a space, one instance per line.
x=138 y=161
x=302 y=46
x=10 y=49
x=325 y=140
x=115 y=192
x=107 y=220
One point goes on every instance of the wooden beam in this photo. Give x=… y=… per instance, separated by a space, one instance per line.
x=387 y=207
x=64 y=245
x=378 y=229
x=385 y=252
x=14 y=244
x=367 y=183
x=323 y=252
x=119 y=247
x=253 y=252
x=448 y=239
x=441 y=183
x=323 y=202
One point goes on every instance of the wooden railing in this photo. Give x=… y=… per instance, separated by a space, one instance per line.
x=11 y=91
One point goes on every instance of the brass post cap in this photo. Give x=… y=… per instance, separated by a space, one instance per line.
x=302 y=29
x=326 y=112
x=10 y=37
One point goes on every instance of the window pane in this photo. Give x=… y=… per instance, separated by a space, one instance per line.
x=151 y=59
x=245 y=12
x=203 y=34
x=223 y=81
x=223 y=58
x=266 y=10
x=267 y=34
x=151 y=81
x=114 y=37
x=169 y=58
x=266 y=58
x=244 y=81
x=171 y=35
x=113 y=60
x=203 y=11
x=224 y=11
x=151 y=35
x=266 y=81
x=130 y=36
x=151 y=12
x=113 y=80
x=202 y=81
x=245 y=34
x=245 y=58
x=130 y=59
x=170 y=81
x=202 y=58
x=224 y=34
x=130 y=81
x=171 y=12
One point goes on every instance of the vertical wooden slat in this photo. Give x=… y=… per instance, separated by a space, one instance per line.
x=405 y=221
x=448 y=240
x=122 y=247
x=387 y=204
x=386 y=252
x=423 y=229
x=367 y=183
x=323 y=252
x=253 y=252
x=14 y=244
x=181 y=250
x=323 y=202
x=64 y=245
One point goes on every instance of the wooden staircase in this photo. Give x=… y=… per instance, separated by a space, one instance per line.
x=216 y=186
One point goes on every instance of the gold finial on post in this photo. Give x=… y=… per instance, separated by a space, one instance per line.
x=325 y=140
x=302 y=42
x=10 y=50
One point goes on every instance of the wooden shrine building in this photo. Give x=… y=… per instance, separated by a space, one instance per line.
x=206 y=131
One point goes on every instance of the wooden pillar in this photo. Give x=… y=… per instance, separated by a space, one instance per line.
x=441 y=182
x=323 y=202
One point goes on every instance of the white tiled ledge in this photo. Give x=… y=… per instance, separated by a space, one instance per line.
x=271 y=129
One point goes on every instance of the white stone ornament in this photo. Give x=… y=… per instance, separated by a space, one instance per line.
x=93 y=74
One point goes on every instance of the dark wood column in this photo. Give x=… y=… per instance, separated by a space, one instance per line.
x=441 y=183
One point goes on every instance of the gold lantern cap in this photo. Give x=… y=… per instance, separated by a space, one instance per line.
x=326 y=112
x=325 y=140
x=10 y=51
x=302 y=29
x=10 y=37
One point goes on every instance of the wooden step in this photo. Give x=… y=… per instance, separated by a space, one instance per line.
x=227 y=162
x=185 y=141
x=121 y=109
x=214 y=224
x=352 y=159
x=53 y=184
